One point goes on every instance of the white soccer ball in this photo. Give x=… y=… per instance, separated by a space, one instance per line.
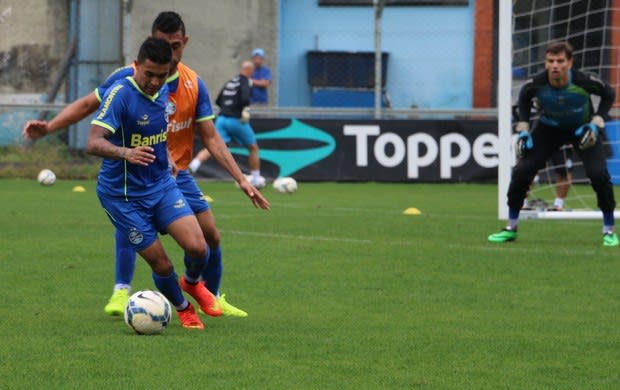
x=46 y=177
x=285 y=185
x=147 y=312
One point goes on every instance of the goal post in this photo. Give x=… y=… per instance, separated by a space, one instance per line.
x=504 y=105
x=525 y=27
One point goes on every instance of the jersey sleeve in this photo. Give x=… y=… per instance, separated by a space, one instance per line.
x=110 y=112
x=245 y=92
x=604 y=91
x=118 y=74
x=524 y=104
x=204 y=110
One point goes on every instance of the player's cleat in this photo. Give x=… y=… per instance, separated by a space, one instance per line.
x=230 y=310
x=610 y=239
x=189 y=319
x=117 y=302
x=503 y=236
x=207 y=301
x=258 y=182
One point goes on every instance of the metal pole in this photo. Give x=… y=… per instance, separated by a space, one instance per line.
x=378 y=7
x=504 y=104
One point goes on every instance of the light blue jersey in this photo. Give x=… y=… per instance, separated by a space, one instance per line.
x=134 y=119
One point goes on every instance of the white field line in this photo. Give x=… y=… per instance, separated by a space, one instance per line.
x=297 y=237
x=508 y=247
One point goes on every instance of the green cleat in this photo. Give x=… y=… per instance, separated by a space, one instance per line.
x=230 y=310
x=504 y=236
x=118 y=301
x=610 y=239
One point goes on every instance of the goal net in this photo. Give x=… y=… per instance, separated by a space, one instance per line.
x=593 y=29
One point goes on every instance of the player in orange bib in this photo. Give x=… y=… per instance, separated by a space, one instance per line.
x=189 y=108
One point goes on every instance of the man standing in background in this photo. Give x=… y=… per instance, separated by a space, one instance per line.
x=261 y=78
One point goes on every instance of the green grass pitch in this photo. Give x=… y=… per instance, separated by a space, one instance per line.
x=343 y=292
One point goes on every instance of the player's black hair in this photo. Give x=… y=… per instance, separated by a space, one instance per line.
x=168 y=22
x=560 y=47
x=155 y=49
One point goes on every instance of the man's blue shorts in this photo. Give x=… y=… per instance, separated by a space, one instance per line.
x=143 y=218
x=191 y=192
x=232 y=129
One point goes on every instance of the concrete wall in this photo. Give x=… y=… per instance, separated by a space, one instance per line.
x=222 y=34
x=33 y=40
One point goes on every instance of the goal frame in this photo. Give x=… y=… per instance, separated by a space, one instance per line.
x=506 y=157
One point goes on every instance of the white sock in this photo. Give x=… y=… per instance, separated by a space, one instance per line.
x=608 y=229
x=120 y=286
x=559 y=203
x=194 y=165
x=255 y=174
x=512 y=224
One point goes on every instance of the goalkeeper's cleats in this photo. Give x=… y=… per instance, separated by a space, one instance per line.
x=230 y=310
x=207 y=301
x=504 y=236
x=118 y=301
x=189 y=319
x=610 y=239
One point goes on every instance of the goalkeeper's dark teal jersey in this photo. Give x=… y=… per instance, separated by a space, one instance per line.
x=568 y=107
x=134 y=119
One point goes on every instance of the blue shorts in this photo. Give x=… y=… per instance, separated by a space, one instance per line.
x=231 y=129
x=143 y=218
x=191 y=192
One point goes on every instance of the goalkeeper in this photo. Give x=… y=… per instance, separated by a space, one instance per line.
x=568 y=117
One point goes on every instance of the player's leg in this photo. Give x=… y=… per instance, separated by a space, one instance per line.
x=186 y=232
x=522 y=175
x=125 y=266
x=563 y=164
x=166 y=281
x=212 y=274
x=595 y=165
x=175 y=217
x=136 y=218
x=202 y=156
x=246 y=135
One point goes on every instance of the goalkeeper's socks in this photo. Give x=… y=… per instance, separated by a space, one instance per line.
x=513 y=214
x=125 y=264
x=169 y=286
x=194 y=267
x=212 y=273
x=608 y=219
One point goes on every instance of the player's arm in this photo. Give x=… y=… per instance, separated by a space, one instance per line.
x=99 y=145
x=71 y=114
x=75 y=111
x=605 y=92
x=245 y=93
x=524 y=105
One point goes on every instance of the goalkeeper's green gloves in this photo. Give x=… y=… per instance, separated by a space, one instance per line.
x=588 y=133
x=524 y=139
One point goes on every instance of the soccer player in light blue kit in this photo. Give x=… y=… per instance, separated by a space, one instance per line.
x=135 y=185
